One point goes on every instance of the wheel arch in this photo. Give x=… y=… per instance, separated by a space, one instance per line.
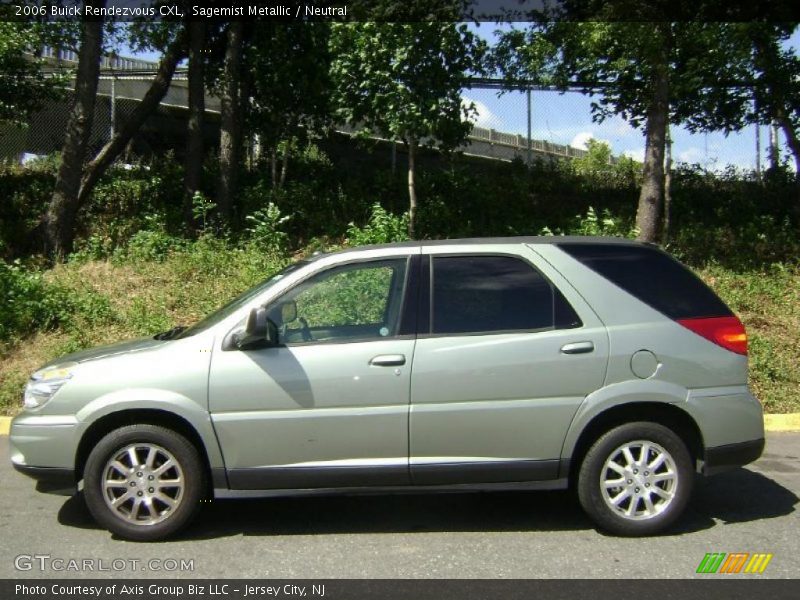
x=666 y=414
x=149 y=416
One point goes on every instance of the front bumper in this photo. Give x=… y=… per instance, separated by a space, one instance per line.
x=49 y=479
x=43 y=447
x=730 y=456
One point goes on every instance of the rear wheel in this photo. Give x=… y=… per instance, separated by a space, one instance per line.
x=144 y=482
x=636 y=479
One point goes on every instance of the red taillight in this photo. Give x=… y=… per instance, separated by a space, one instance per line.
x=727 y=332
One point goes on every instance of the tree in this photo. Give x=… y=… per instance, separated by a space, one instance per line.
x=230 y=138
x=64 y=205
x=194 y=131
x=174 y=52
x=24 y=86
x=596 y=161
x=403 y=81
x=288 y=67
x=776 y=68
x=76 y=177
x=651 y=73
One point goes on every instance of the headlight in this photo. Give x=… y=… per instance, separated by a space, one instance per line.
x=45 y=383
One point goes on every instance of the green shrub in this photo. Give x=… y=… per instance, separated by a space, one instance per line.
x=24 y=194
x=146 y=316
x=29 y=302
x=201 y=209
x=591 y=223
x=266 y=229
x=381 y=228
x=151 y=243
x=95 y=247
x=126 y=197
x=759 y=241
x=146 y=245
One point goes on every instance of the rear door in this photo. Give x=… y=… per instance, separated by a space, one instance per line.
x=503 y=360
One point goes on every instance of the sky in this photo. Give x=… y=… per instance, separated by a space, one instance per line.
x=567 y=119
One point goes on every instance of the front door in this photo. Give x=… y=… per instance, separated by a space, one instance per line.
x=328 y=407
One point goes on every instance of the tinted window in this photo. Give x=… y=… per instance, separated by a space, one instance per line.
x=474 y=294
x=653 y=277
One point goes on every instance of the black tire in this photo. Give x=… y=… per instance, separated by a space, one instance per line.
x=665 y=505
x=162 y=519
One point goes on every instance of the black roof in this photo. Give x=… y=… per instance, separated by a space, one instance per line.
x=521 y=239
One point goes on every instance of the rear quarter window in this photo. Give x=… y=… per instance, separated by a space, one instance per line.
x=653 y=277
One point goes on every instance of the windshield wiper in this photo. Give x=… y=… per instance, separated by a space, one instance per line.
x=169 y=335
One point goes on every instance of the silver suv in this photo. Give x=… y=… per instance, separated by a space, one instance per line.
x=511 y=363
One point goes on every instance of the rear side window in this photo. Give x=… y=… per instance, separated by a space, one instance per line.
x=478 y=294
x=653 y=277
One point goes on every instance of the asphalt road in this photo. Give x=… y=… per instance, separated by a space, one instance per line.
x=486 y=535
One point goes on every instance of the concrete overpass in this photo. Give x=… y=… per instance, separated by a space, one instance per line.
x=124 y=81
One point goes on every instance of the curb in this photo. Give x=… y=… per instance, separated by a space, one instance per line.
x=790 y=422
x=772 y=423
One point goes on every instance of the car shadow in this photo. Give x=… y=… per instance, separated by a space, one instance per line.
x=738 y=496
x=398 y=513
x=74 y=513
x=734 y=497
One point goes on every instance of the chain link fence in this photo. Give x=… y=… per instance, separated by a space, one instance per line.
x=525 y=125
x=117 y=97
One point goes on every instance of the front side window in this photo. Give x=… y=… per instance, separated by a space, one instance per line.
x=352 y=302
x=479 y=294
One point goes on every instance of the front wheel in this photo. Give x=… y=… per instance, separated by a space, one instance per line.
x=143 y=482
x=636 y=479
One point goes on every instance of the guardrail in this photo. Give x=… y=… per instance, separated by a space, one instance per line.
x=109 y=61
x=520 y=143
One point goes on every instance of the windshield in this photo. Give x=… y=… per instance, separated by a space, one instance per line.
x=240 y=300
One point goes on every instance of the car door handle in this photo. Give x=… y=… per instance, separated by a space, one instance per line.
x=388 y=360
x=577 y=348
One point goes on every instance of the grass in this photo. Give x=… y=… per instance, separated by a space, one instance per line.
x=119 y=300
x=768 y=302
x=134 y=297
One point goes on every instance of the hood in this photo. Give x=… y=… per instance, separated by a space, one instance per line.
x=111 y=350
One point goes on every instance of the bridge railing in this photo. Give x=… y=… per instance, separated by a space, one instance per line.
x=109 y=61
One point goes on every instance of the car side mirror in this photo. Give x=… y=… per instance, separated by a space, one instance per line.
x=259 y=331
x=288 y=311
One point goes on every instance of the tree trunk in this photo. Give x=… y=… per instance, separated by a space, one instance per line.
x=412 y=190
x=194 y=131
x=794 y=145
x=158 y=89
x=767 y=59
x=774 y=145
x=668 y=187
x=284 y=166
x=64 y=205
x=230 y=130
x=648 y=215
x=792 y=140
x=273 y=162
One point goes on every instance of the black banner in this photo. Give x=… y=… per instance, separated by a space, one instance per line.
x=396 y=10
x=731 y=588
